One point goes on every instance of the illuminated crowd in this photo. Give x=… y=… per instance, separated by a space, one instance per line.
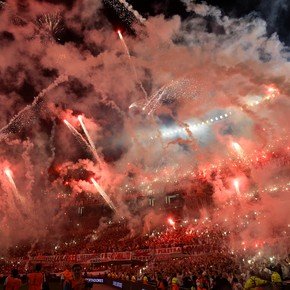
x=205 y=258
x=201 y=272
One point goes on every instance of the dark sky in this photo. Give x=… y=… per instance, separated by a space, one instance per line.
x=275 y=12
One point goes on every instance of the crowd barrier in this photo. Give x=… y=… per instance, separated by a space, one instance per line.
x=120 y=284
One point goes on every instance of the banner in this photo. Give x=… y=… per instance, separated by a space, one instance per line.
x=174 y=250
x=142 y=255
x=83 y=258
x=116 y=256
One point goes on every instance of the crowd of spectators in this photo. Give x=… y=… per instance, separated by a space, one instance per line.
x=214 y=271
x=205 y=257
x=118 y=238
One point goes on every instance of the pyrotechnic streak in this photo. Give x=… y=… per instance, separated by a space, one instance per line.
x=133 y=11
x=93 y=148
x=79 y=135
x=171 y=91
x=238 y=149
x=21 y=115
x=156 y=97
x=132 y=64
x=103 y=194
x=9 y=176
x=153 y=103
x=237 y=186
x=76 y=133
x=8 y=173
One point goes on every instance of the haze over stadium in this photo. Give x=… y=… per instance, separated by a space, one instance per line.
x=154 y=120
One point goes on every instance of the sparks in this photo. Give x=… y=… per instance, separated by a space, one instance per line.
x=9 y=175
x=103 y=194
x=237 y=186
x=132 y=64
x=78 y=135
x=51 y=23
x=120 y=34
x=171 y=222
x=93 y=148
x=238 y=149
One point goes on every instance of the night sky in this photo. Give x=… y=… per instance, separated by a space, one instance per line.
x=276 y=13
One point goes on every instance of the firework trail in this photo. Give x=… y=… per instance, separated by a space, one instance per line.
x=133 y=11
x=18 y=119
x=238 y=149
x=122 y=8
x=170 y=91
x=237 y=186
x=93 y=148
x=132 y=64
x=9 y=176
x=80 y=137
x=76 y=133
x=154 y=100
x=103 y=194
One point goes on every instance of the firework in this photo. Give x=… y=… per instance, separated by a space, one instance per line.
x=272 y=92
x=93 y=148
x=20 y=119
x=8 y=173
x=132 y=64
x=238 y=149
x=133 y=11
x=171 y=221
x=153 y=102
x=9 y=176
x=76 y=133
x=103 y=194
x=122 y=8
x=171 y=91
x=51 y=23
x=237 y=186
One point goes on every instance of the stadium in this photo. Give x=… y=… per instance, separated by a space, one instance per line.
x=144 y=145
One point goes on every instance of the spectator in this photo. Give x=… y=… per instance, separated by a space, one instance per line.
x=12 y=282
x=77 y=282
x=36 y=278
x=174 y=283
x=254 y=282
x=66 y=277
x=236 y=284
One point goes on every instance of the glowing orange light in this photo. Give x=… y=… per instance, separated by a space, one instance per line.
x=171 y=221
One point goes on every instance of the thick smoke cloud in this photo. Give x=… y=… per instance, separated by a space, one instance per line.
x=58 y=62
